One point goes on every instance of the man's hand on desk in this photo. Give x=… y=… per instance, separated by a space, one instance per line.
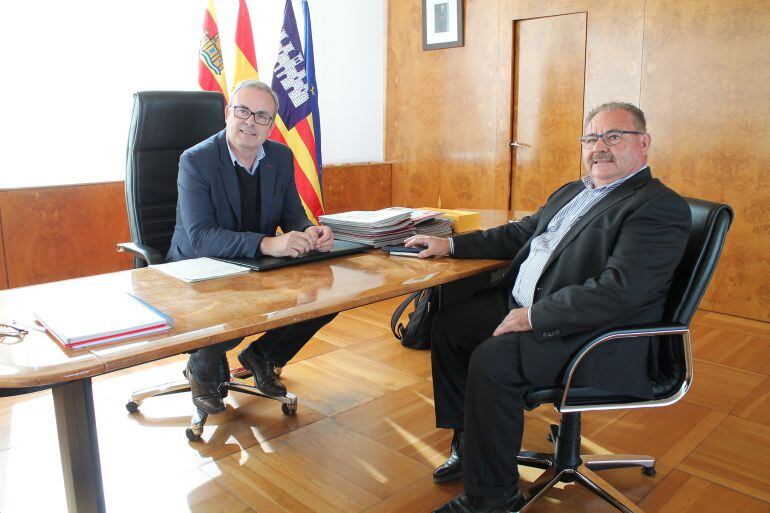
x=292 y=244
x=516 y=320
x=321 y=237
x=436 y=246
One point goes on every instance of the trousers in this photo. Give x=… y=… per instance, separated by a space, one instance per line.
x=209 y=365
x=479 y=386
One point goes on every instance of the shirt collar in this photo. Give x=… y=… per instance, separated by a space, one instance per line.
x=589 y=182
x=254 y=166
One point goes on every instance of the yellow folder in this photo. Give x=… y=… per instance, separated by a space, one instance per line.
x=462 y=220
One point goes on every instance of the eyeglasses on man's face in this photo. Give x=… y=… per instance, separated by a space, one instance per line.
x=260 y=118
x=610 y=137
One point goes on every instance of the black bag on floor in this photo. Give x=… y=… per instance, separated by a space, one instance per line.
x=416 y=333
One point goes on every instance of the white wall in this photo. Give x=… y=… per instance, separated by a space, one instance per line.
x=71 y=69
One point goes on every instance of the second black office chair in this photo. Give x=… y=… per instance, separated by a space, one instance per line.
x=163 y=125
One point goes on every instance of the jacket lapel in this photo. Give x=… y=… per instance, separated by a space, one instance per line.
x=614 y=197
x=229 y=180
x=267 y=177
x=552 y=207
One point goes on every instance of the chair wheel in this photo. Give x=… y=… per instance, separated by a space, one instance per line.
x=289 y=410
x=132 y=407
x=649 y=471
x=191 y=436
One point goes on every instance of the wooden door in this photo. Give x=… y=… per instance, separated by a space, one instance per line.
x=548 y=79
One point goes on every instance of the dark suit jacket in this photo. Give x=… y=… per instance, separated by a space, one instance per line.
x=208 y=212
x=612 y=269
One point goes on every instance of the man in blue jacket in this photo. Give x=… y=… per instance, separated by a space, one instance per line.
x=235 y=189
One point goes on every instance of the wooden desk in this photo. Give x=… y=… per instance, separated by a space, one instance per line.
x=204 y=313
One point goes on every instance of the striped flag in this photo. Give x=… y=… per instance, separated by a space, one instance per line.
x=211 y=68
x=312 y=89
x=245 y=56
x=293 y=124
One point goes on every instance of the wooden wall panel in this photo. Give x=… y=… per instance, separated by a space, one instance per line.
x=356 y=187
x=54 y=233
x=441 y=109
x=699 y=69
x=706 y=91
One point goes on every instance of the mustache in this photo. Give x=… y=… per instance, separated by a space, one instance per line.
x=596 y=157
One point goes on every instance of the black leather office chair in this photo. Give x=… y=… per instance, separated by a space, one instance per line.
x=672 y=373
x=163 y=125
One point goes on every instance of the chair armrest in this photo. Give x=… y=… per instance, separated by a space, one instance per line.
x=625 y=333
x=146 y=253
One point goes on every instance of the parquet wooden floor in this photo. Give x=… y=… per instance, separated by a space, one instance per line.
x=364 y=438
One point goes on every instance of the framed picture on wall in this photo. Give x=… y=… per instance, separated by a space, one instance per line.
x=442 y=24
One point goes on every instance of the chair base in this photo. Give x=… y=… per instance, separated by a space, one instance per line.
x=580 y=470
x=194 y=432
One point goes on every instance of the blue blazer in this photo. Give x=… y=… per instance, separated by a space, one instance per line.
x=208 y=211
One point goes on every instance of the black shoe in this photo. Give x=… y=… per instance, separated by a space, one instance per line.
x=470 y=504
x=205 y=396
x=263 y=370
x=452 y=468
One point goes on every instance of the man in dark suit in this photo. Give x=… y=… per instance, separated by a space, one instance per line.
x=599 y=254
x=235 y=189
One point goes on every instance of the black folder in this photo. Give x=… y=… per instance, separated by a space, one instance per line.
x=265 y=263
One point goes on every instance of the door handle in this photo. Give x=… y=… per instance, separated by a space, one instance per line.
x=517 y=144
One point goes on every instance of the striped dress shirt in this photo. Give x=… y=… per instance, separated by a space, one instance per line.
x=544 y=244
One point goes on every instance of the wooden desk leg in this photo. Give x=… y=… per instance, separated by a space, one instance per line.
x=78 y=445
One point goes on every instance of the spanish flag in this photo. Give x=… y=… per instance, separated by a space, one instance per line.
x=294 y=122
x=211 y=68
x=245 y=56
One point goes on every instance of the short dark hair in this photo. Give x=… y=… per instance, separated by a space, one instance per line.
x=639 y=120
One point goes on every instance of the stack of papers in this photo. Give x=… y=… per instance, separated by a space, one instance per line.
x=100 y=318
x=198 y=269
x=383 y=227
x=437 y=226
x=462 y=220
x=367 y=218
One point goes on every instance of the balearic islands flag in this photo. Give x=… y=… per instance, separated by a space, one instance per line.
x=293 y=124
x=211 y=68
x=245 y=56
